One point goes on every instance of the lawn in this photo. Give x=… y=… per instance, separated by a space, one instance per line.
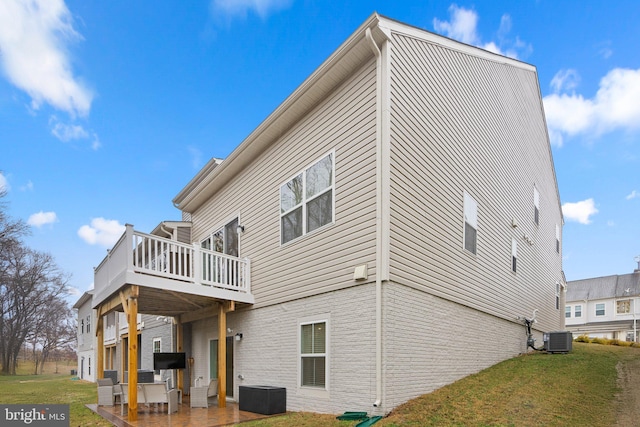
x=52 y=388
x=575 y=389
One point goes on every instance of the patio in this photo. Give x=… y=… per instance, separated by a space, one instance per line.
x=156 y=416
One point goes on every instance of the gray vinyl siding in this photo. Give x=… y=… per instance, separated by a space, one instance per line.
x=462 y=123
x=325 y=259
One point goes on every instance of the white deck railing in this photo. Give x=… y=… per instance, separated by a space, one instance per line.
x=157 y=256
x=110 y=334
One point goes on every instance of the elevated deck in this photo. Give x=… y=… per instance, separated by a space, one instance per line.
x=173 y=277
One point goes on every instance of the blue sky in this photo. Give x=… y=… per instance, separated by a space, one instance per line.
x=108 y=108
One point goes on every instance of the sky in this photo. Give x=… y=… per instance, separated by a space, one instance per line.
x=109 y=108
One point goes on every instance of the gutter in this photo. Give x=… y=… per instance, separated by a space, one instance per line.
x=382 y=192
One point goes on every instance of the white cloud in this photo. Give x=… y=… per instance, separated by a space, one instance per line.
x=565 y=80
x=42 y=218
x=634 y=194
x=614 y=107
x=462 y=26
x=33 y=40
x=70 y=132
x=27 y=187
x=66 y=133
x=73 y=291
x=604 y=49
x=4 y=184
x=105 y=232
x=579 y=211
x=240 y=8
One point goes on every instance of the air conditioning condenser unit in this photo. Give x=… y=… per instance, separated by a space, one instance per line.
x=558 y=342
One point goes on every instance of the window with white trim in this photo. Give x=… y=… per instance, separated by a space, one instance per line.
x=514 y=254
x=578 y=311
x=224 y=240
x=623 y=306
x=600 y=309
x=157 y=348
x=470 y=223
x=557 y=295
x=557 y=238
x=88 y=323
x=536 y=206
x=313 y=354
x=567 y=311
x=307 y=200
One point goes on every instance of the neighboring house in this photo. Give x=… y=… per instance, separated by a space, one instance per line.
x=604 y=307
x=87 y=343
x=155 y=334
x=380 y=235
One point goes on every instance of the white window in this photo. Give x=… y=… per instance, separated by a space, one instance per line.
x=600 y=309
x=88 y=323
x=557 y=238
x=470 y=223
x=557 y=295
x=623 y=306
x=157 y=348
x=514 y=254
x=313 y=354
x=536 y=206
x=307 y=200
x=567 y=311
x=224 y=240
x=157 y=345
x=578 y=311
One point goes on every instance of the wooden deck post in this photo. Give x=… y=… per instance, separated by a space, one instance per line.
x=224 y=307
x=179 y=349
x=130 y=306
x=100 y=349
x=222 y=356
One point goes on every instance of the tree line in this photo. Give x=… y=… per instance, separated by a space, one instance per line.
x=33 y=309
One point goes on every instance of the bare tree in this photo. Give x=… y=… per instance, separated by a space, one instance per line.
x=54 y=329
x=31 y=286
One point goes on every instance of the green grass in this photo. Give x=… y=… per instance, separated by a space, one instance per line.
x=51 y=388
x=575 y=389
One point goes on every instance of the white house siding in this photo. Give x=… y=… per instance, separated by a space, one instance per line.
x=268 y=352
x=462 y=123
x=325 y=259
x=431 y=342
x=87 y=341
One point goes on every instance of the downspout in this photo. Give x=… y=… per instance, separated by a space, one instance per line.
x=382 y=197
x=170 y=234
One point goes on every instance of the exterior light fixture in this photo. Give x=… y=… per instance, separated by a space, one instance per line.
x=240 y=229
x=238 y=336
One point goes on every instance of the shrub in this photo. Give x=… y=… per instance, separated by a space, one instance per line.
x=583 y=338
x=602 y=341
